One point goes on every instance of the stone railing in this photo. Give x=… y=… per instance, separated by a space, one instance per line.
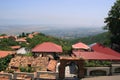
x=6 y=76
x=114 y=67
x=52 y=75
x=108 y=70
x=28 y=76
x=55 y=74
x=23 y=75
x=89 y=69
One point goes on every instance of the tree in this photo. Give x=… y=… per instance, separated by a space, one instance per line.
x=4 y=62
x=3 y=34
x=6 y=43
x=113 y=25
x=23 y=34
x=40 y=38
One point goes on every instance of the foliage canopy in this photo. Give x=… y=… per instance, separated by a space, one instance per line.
x=113 y=25
x=4 y=62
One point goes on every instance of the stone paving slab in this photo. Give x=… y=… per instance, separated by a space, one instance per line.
x=116 y=77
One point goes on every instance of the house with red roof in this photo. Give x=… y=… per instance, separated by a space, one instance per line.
x=30 y=36
x=3 y=37
x=93 y=55
x=6 y=53
x=99 y=52
x=106 y=50
x=47 y=49
x=12 y=37
x=35 y=33
x=21 y=40
x=80 y=47
x=15 y=47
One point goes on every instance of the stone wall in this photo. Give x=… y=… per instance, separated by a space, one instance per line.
x=44 y=74
x=89 y=69
x=29 y=76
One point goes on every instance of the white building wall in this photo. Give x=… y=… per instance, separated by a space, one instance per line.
x=21 y=51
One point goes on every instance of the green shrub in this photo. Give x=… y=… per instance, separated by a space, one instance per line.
x=22 y=69
x=28 y=54
x=10 y=71
x=26 y=69
x=4 y=62
x=95 y=63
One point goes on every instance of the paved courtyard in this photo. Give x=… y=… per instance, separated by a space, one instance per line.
x=116 y=77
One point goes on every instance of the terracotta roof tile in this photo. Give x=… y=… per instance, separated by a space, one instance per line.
x=95 y=56
x=5 y=53
x=30 y=36
x=35 y=33
x=15 y=47
x=21 y=40
x=80 y=45
x=47 y=47
x=100 y=48
x=1 y=37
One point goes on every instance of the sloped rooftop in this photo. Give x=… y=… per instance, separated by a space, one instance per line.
x=106 y=50
x=80 y=45
x=99 y=52
x=95 y=56
x=6 y=53
x=47 y=47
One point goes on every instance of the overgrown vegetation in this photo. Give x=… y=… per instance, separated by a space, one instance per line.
x=26 y=69
x=66 y=44
x=100 y=38
x=5 y=43
x=4 y=62
x=23 y=34
x=28 y=54
x=113 y=25
x=40 y=38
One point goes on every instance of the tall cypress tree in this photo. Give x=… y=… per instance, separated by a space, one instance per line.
x=113 y=25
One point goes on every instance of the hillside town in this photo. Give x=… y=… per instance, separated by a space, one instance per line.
x=59 y=39
x=47 y=60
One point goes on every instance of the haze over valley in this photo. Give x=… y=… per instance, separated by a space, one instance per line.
x=61 y=32
x=59 y=18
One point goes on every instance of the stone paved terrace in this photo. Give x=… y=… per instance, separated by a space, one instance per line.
x=115 y=77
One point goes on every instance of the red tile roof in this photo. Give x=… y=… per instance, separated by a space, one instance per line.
x=21 y=40
x=35 y=33
x=47 y=47
x=1 y=37
x=100 y=48
x=95 y=56
x=13 y=37
x=80 y=45
x=5 y=53
x=30 y=36
x=15 y=47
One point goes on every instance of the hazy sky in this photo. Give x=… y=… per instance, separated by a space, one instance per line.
x=56 y=12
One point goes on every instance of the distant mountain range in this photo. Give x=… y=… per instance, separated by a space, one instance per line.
x=56 y=31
